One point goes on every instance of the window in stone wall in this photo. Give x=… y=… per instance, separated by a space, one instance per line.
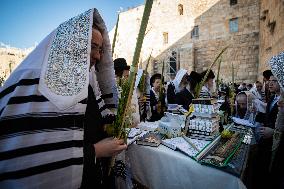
x=195 y=32
x=173 y=63
x=155 y=66
x=233 y=2
x=234 y=26
x=180 y=9
x=166 y=37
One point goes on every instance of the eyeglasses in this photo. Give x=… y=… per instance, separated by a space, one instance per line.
x=97 y=48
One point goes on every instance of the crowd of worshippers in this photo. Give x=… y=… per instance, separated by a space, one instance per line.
x=159 y=93
x=54 y=107
x=259 y=103
x=181 y=90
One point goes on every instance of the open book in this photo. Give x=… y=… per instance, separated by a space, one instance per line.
x=191 y=148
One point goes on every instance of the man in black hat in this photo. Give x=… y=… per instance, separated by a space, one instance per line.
x=206 y=90
x=266 y=75
x=121 y=68
x=157 y=100
x=185 y=96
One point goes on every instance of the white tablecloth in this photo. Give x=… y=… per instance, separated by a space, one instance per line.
x=163 y=168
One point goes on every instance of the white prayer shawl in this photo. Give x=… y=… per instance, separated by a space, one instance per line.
x=277 y=67
x=256 y=93
x=145 y=106
x=178 y=79
x=63 y=79
x=155 y=93
x=205 y=92
x=52 y=82
x=249 y=115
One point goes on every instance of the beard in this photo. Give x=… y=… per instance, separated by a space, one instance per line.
x=242 y=112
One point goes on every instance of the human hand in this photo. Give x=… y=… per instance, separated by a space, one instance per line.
x=266 y=132
x=109 y=147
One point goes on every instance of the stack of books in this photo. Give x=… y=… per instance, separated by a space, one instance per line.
x=205 y=125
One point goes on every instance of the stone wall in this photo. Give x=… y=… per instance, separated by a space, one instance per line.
x=10 y=58
x=197 y=53
x=243 y=45
x=214 y=35
x=271 y=31
x=165 y=18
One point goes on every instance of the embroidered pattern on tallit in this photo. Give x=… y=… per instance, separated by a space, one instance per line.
x=67 y=66
x=277 y=68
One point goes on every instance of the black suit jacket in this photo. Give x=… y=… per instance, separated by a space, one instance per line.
x=153 y=104
x=269 y=119
x=171 y=95
x=271 y=115
x=184 y=98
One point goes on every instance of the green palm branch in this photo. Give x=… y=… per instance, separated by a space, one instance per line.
x=199 y=85
x=127 y=88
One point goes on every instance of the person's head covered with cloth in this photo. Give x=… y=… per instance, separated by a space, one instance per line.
x=54 y=100
x=244 y=105
x=57 y=73
x=277 y=67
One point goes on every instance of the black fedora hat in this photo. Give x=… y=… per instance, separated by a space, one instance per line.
x=194 y=76
x=120 y=64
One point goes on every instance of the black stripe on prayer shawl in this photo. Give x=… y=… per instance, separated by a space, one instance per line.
x=99 y=100
x=41 y=169
x=22 y=82
x=40 y=114
x=31 y=98
x=40 y=148
x=38 y=131
x=25 y=99
x=84 y=101
x=110 y=95
x=10 y=126
x=103 y=108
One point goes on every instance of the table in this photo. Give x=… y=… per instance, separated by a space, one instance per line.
x=163 y=168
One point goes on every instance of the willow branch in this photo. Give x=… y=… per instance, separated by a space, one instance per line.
x=134 y=66
x=114 y=36
x=199 y=86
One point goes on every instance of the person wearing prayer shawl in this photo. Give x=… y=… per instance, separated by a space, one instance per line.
x=266 y=130
x=266 y=75
x=53 y=108
x=121 y=72
x=185 y=96
x=207 y=88
x=156 y=100
x=122 y=166
x=175 y=86
x=277 y=164
x=258 y=92
x=244 y=105
x=143 y=85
